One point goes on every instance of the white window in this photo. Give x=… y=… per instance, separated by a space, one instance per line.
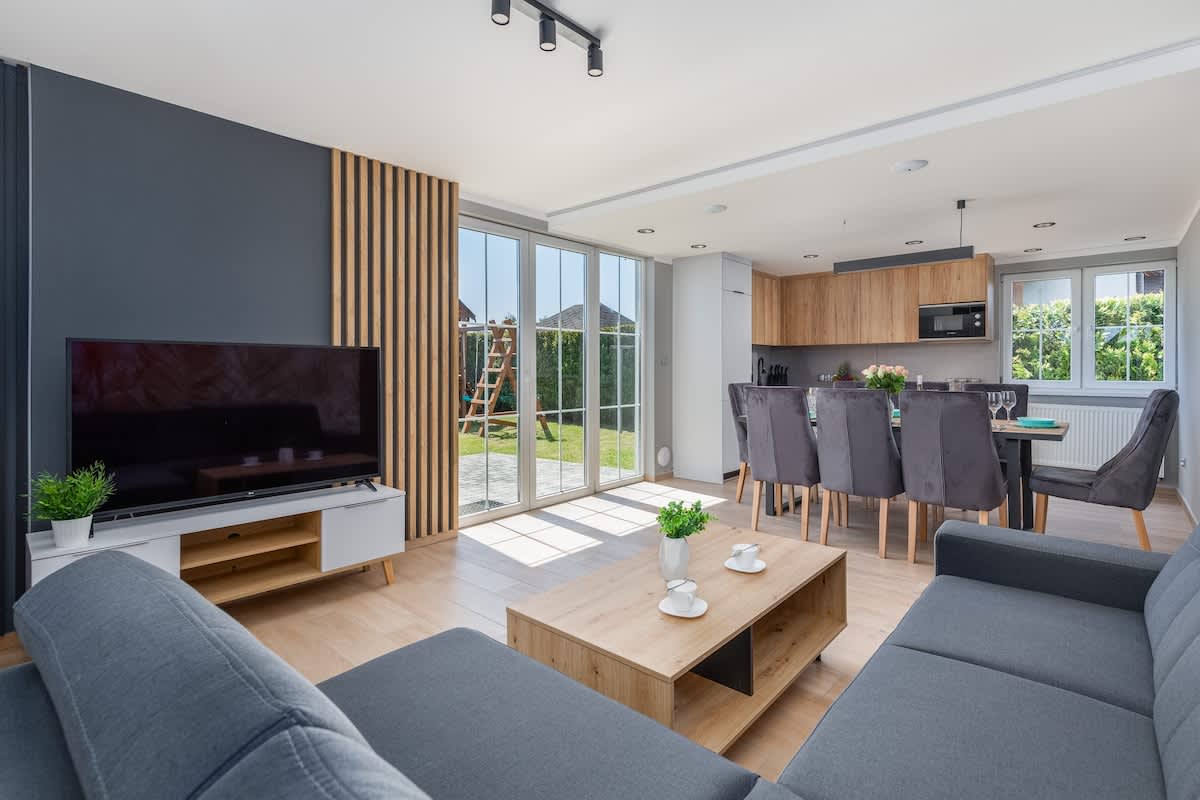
x=1107 y=330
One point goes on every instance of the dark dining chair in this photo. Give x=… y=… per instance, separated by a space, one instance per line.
x=737 y=406
x=1127 y=480
x=857 y=452
x=929 y=386
x=949 y=458
x=782 y=446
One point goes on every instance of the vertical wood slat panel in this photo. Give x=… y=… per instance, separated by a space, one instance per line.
x=394 y=265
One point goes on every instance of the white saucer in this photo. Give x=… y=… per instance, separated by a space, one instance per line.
x=759 y=566
x=698 y=608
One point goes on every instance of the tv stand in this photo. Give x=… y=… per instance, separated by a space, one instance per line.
x=240 y=549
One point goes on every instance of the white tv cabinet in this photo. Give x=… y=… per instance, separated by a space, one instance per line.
x=239 y=549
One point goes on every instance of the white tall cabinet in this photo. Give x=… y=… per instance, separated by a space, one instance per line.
x=711 y=341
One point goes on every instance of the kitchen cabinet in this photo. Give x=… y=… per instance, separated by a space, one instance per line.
x=766 y=327
x=804 y=307
x=955 y=281
x=889 y=303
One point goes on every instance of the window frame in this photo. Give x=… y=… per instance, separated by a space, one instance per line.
x=1083 y=327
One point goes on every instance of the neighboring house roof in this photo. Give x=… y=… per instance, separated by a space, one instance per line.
x=572 y=318
x=465 y=314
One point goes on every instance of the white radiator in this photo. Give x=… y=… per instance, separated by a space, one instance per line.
x=1096 y=434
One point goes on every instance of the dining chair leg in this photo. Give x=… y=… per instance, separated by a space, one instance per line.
x=983 y=518
x=835 y=513
x=754 y=512
x=792 y=497
x=845 y=509
x=806 y=505
x=883 y=526
x=779 y=498
x=743 y=469
x=826 y=510
x=1002 y=510
x=913 y=511
x=1041 y=505
x=1143 y=535
x=923 y=521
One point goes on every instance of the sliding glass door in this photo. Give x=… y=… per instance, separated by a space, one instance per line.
x=550 y=340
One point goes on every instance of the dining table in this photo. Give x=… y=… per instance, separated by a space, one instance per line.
x=1017 y=441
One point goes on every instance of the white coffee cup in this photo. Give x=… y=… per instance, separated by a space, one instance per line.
x=744 y=555
x=682 y=593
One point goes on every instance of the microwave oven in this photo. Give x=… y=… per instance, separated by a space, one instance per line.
x=952 y=321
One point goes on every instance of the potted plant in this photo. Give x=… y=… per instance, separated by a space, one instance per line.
x=889 y=378
x=68 y=503
x=678 y=522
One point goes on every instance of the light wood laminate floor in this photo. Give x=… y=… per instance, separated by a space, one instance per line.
x=330 y=626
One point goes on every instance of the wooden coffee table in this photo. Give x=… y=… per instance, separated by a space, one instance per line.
x=760 y=632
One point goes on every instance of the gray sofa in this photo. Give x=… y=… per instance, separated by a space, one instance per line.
x=1032 y=666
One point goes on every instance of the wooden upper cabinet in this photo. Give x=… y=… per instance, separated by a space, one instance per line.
x=955 y=281
x=804 y=307
x=766 y=311
x=889 y=304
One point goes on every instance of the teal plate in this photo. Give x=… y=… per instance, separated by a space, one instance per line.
x=1036 y=422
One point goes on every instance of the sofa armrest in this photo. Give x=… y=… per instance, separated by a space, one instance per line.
x=1096 y=573
x=765 y=790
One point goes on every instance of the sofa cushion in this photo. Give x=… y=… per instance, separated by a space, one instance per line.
x=303 y=762
x=466 y=717
x=1095 y=650
x=34 y=761
x=917 y=725
x=1173 y=589
x=157 y=690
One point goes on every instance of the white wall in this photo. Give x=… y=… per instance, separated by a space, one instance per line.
x=663 y=337
x=1188 y=314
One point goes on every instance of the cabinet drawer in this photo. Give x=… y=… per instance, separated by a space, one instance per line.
x=366 y=531
x=162 y=553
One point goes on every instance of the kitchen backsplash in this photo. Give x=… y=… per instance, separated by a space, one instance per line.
x=936 y=361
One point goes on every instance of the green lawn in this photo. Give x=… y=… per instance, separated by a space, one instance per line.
x=504 y=440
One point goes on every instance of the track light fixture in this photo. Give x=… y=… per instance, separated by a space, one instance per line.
x=547 y=34
x=501 y=10
x=595 y=60
x=551 y=24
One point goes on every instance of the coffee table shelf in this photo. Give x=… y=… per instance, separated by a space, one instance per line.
x=605 y=631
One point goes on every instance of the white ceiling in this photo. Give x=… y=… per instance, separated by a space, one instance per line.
x=691 y=85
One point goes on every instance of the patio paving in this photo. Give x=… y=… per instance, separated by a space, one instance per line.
x=490 y=480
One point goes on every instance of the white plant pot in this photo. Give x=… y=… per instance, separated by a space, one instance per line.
x=71 y=532
x=673 y=557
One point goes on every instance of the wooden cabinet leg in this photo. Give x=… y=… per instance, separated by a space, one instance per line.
x=1143 y=535
x=758 y=489
x=883 y=526
x=913 y=512
x=389 y=571
x=743 y=468
x=1041 y=505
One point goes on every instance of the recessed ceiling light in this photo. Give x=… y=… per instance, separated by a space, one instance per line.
x=645 y=230
x=716 y=208
x=699 y=246
x=911 y=165
x=812 y=255
x=1134 y=238
x=1045 y=225
x=915 y=241
x=1033 y=249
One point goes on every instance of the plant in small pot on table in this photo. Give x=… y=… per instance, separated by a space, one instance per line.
x=678 y=522
x=68 y=503
x=889 y=378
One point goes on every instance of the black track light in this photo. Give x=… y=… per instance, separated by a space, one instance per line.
x=548 y=34
x=500 y=11
x=595 y=60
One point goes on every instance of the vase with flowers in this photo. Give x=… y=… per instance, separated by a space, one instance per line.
x=888 y=377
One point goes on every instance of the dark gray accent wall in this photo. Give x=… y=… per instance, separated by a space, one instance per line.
x=151 y=221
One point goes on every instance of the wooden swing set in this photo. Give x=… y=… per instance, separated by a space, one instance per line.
x=498 y=370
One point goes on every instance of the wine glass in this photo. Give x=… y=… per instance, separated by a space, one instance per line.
x=993 y=400
x=1009 y=401
x=812 y=401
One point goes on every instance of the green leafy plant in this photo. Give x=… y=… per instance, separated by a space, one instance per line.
x=77 y=495
x=678 y=521
x=887 y=377
x=843 y=372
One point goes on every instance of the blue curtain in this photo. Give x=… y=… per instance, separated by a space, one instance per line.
x=14 y=332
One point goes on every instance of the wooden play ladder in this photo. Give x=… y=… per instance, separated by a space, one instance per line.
x=498 y=369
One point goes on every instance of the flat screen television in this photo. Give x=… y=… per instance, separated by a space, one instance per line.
x=182 y=424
